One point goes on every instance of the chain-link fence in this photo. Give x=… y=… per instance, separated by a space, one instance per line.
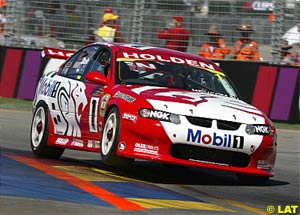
x=69 y=23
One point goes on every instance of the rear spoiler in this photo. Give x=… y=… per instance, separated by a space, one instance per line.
x=56 y=53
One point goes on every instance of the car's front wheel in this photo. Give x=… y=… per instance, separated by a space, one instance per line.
x=252 y=180
x=110 y=138
x=39 y=133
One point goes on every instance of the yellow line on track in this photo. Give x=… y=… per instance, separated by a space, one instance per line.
x=177 y=204
x=243 y=206
x=86 y=186
x=87 y=173
x=230 y=202
x=118 y=177
x=94 y=174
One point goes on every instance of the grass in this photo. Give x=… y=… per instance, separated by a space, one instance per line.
x=282 y=125
x=15 y=104
x=25 y=105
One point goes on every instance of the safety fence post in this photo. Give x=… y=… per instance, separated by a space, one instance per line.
x=277 y=31
x=137 y=24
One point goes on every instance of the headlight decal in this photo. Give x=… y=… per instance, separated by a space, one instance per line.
x=159 y=115
x=259 y=129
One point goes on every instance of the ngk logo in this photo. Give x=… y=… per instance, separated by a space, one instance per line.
x=225 y=140
x=160 y=115
x=261 y=129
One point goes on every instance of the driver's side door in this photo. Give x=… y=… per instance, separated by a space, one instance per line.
x=97 y=95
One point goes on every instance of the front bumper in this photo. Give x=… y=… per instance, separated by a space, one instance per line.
x=151 y=142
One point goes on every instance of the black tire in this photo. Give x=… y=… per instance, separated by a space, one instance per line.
x=252 y=180
x=109 y=141
x=39 y=134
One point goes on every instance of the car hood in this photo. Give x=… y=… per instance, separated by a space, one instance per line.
x=200 y=104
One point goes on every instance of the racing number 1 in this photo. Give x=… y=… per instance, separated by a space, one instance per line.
x=93 y=114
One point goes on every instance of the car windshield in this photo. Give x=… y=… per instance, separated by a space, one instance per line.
x=173 y=75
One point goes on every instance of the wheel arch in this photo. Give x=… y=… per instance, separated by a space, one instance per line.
x=43 y=148
x=38 y=101
x=109 y=108
x=50 y=121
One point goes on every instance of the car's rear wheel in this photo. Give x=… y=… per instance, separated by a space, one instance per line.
x=110 y=138
x=40 y=132
x=252 y=180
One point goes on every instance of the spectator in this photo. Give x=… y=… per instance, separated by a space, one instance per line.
x=91 y=35
x=106 y=11
x=3 y=20
x=3 y=23
x=176 y=36
x=245 y=48
x=2 y=6
x=109 y=31
x=286 y=57
x=216 y=47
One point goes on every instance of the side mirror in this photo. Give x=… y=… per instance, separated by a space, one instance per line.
x=96 y=77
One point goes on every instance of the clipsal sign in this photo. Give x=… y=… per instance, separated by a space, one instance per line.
x=262 y=5
x=56 y=53
x=169 y=59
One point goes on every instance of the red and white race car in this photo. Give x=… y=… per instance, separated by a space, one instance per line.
x=138 y=102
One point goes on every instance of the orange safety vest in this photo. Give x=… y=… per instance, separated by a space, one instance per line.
x=2 y=28
x=218 y=52
x=246 y=51
x=2 y=3
x=2 y=23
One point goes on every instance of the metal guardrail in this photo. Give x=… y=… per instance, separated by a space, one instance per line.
x=69 y=23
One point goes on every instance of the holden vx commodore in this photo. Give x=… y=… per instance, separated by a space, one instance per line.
x=131 y=102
